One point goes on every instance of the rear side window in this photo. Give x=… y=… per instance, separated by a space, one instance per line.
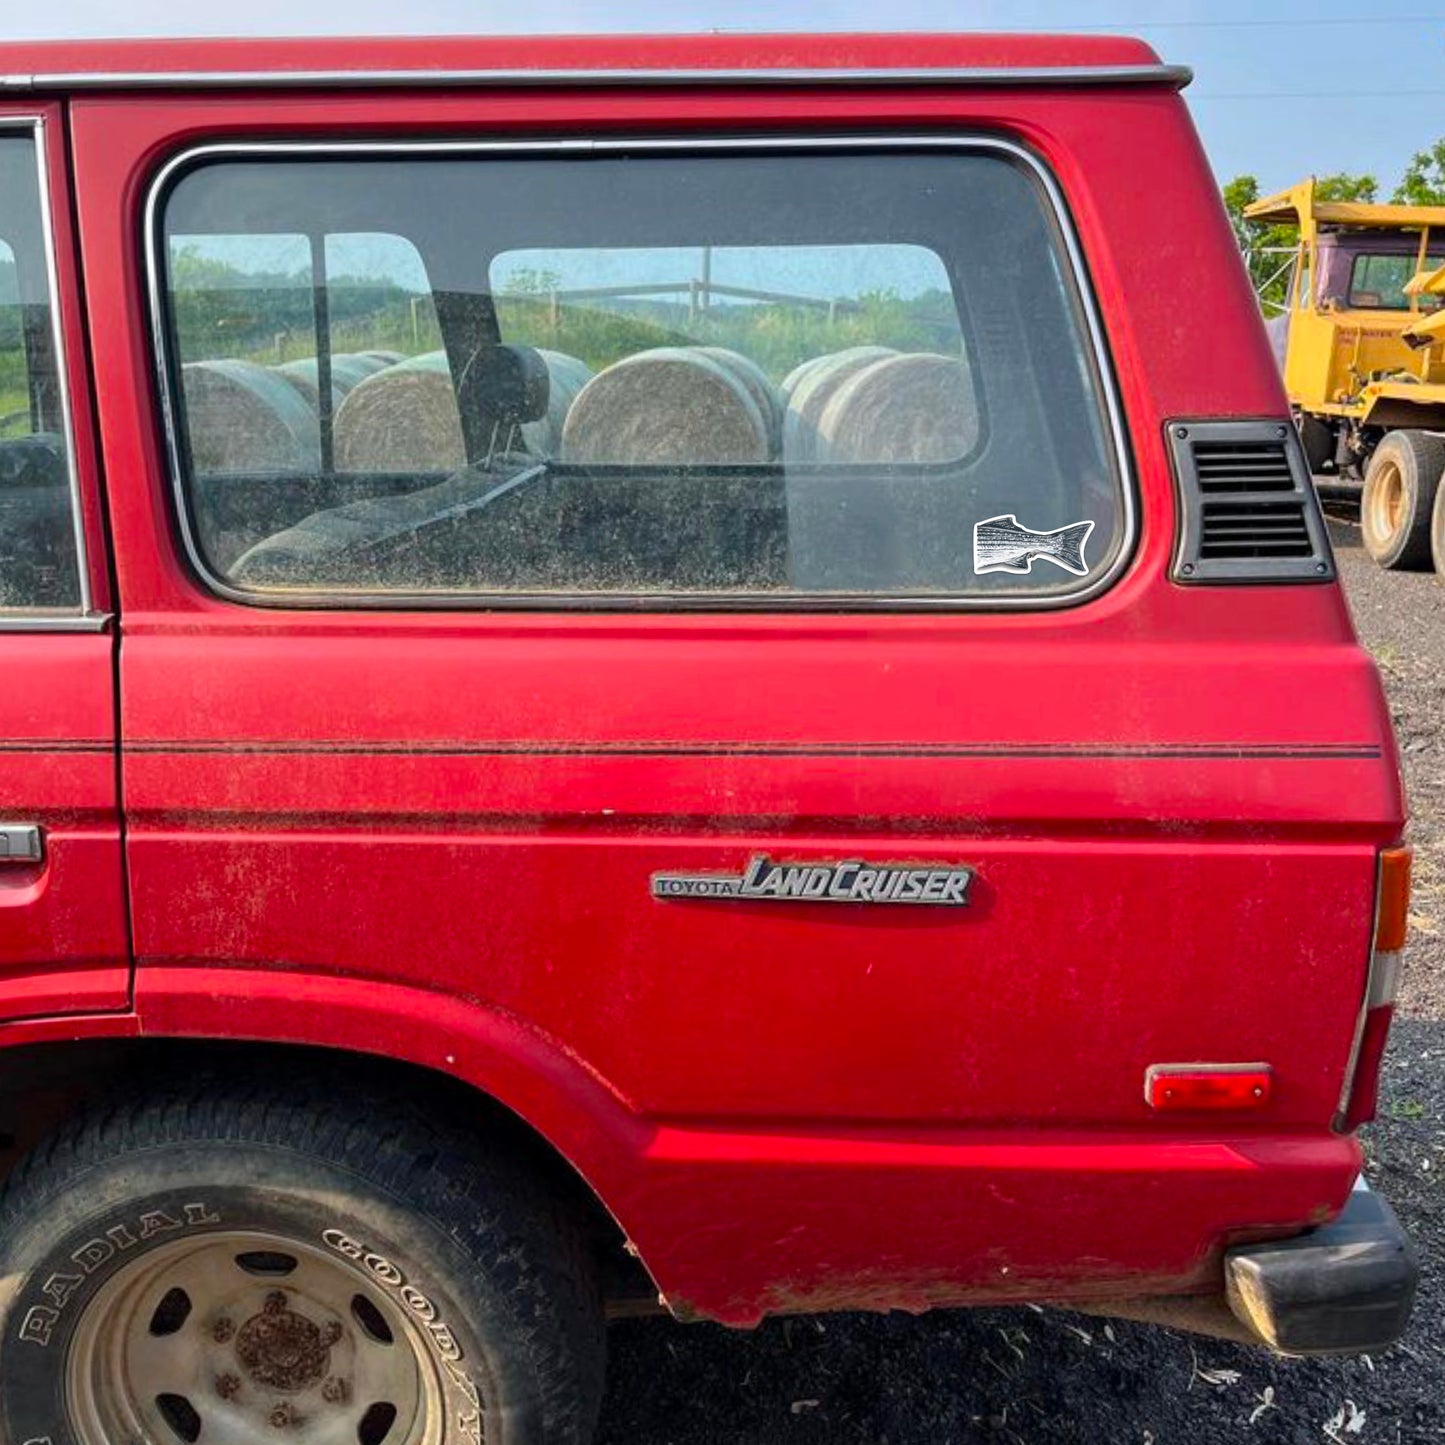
x=38 y=571
x=758 y=377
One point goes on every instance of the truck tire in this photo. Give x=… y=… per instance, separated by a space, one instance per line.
x=1317 y=438
x=1401 y=483
x=226 y=1265
x=1437 y=531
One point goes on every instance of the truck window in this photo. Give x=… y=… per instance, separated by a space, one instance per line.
x=1377 y=281
x=852 y=375
x=38 y=570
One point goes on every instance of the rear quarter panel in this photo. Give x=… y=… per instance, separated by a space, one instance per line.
x=1173 y=799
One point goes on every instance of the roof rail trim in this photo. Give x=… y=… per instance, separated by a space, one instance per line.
x=1174 y=76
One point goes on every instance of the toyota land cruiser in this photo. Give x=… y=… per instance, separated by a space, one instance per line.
x=644 y=670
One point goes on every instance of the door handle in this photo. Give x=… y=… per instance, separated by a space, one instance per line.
x=21 y=843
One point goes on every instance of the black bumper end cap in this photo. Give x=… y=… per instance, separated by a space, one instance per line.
x=1346 y=1288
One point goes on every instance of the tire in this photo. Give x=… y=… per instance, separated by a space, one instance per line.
x=1317 y=438
x=1437 y=531
x=247 y=1265
x=1401 y=483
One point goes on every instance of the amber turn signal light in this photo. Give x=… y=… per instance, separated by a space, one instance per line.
x=1207 y=1086
x=1394 y=904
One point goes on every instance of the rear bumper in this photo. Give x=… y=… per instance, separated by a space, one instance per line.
x=1346 y=1288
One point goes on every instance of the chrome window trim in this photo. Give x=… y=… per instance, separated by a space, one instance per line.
x=16 y=620
x=482 y=601
x=55 y=622
x=903 y=78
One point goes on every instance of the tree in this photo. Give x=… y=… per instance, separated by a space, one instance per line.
x=1242 y=191
x=1423 y=183
x=1262 y=245
x=1342 y=186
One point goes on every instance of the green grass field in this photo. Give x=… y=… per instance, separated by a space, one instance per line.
x=271 y=323
x=269 y=319
x=14 y=401
x=777 y=337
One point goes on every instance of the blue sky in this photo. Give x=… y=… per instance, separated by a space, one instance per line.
x=1283 y=87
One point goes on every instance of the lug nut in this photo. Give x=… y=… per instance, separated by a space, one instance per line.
x=223 y=1330
x=331 y=1334
x=276 y=1302
x=228 y=1386
x=283 y=1415
x=336 y=1391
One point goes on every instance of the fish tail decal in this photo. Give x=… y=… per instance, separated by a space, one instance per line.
x=1001 y=544
x=1070 y=555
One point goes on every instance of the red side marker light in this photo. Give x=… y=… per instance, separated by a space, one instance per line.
x=1211 y=1087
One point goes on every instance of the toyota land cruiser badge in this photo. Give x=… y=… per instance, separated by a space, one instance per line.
x=854 y=881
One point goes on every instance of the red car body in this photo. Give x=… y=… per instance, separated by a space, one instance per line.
x=427 y=836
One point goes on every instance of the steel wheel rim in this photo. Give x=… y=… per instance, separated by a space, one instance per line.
x=1386 y=510
x=214 y=1341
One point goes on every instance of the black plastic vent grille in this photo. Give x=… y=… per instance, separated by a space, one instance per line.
x=1248 y=509
x=1242 y=467
x=1254 y=529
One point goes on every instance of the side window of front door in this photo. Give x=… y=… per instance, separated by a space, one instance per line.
x=38 y=571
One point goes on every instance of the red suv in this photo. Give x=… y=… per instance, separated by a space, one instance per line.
x=653 y=670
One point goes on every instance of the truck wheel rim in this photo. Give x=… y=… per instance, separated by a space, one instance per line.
x=238 y=1337
x=1385 y=508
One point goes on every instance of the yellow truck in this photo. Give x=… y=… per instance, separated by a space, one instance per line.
x=1362 y=344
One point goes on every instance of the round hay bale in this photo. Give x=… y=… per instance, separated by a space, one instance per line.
x=566 y=377
x=759 y=388
x=301 y=376
x=815 y=388
x=241 y=417
x=671 y=406
x=348 y=370
x=386 y=358
x=402 y=419
x=792 y=380
x=405 y=417
x=918 y=407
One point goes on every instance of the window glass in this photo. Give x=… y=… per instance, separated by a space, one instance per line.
x=37 y=531
x=1377 y=281
x=790 y=377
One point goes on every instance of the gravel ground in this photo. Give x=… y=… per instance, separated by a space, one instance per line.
x=1021 y=1377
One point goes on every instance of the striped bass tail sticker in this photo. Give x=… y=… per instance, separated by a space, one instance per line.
x=1000 y=544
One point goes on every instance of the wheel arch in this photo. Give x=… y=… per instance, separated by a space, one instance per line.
x=486 y=1072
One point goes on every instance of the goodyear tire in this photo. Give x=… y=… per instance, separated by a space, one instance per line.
x=235 y=1267
x=1401 y=484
